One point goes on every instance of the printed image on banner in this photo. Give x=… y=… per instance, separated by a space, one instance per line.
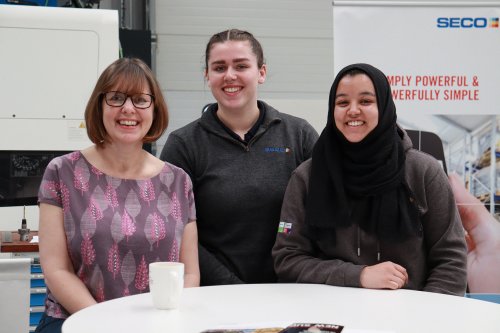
x=442 y=61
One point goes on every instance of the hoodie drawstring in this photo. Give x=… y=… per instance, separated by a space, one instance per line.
x=359 y=244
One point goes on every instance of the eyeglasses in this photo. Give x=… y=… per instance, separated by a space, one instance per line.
x=116 y=98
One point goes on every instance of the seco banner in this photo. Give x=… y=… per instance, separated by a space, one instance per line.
x=440 y=58
x=443 y=62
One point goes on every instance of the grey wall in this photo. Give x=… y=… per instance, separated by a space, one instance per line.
x=296 y=36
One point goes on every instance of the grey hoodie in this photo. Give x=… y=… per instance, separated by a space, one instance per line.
x=435 y=262
x=239 y=189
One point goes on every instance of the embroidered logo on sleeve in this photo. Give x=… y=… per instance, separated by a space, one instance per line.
x=284 y=227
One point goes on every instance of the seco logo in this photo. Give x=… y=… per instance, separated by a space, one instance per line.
x=467 y=22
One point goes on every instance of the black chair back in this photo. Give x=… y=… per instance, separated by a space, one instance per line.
x=429 y=143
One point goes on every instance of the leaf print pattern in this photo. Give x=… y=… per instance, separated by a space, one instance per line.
x=163 y=204
x=126 y=291
x=97 y=283
x=174 y=252
x=111 y=196
x=79 y=181
x=96 y=171
x=155 y=229
x=114 y=260
x=158 y=231
x=87 y=224
x=51 y=189
x=88 y=251
x=74 y=156
x=69 y=228
x=133 y=204
x=175 y=208
x=81 y=176
x=116 y=228
x=58 y=191
x=147 y=191
x=81 y=274
x=65 y=197
x=110 y=191
x=167 y=176
x=98 y=203
x=95 y=210
x=128 y=271
x=99 y=297
x=128 y=225
x=142 y=276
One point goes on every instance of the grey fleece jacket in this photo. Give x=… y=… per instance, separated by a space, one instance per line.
x=435 y=262
x=238 y=190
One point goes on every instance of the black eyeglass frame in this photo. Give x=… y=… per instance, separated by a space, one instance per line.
x=103 y=94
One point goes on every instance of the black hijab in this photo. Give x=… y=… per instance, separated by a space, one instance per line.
x=372 y=169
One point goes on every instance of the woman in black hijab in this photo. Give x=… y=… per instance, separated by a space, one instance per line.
x=368 y=210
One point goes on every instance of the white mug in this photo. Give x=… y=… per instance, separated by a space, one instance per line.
x=166 y=281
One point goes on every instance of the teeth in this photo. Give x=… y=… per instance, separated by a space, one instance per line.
x=231 y=90
x=355 y=123
x=128 y=122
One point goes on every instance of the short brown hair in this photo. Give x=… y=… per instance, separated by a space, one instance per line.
x=131 y=76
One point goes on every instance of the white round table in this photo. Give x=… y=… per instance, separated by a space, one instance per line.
x=264 y=305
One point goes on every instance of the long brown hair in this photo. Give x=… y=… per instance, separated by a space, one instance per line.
x=235 y=35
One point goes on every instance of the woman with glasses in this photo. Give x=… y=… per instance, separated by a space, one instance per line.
x=240 y=155
x=109 y=210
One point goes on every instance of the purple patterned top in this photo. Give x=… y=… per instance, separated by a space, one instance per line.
x=116 y=227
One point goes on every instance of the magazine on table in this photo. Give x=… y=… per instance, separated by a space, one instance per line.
x=293 y=328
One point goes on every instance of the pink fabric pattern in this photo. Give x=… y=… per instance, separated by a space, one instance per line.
x=64 y=192
x=155 y=227
x=111 y=196
x=128 y=225
x=96 y=171
x=174 y=252
x=147 y=191
x=127 y=272
x=95 y=210
x=52 y=189
x=142 y=276
x=116 y=227
x=98 y=283
x=81 y=178
x=100 y=291
x=175 y=209
x=114 y=260
x=74 y=156
x=88 y=251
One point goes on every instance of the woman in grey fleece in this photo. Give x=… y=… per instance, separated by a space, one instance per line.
x=368 y=210
x=240 y=155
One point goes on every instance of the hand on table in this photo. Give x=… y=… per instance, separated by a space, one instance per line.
x=386 y=275
x=483 y=240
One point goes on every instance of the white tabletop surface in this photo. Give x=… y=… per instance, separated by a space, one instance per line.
x=247 y=306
